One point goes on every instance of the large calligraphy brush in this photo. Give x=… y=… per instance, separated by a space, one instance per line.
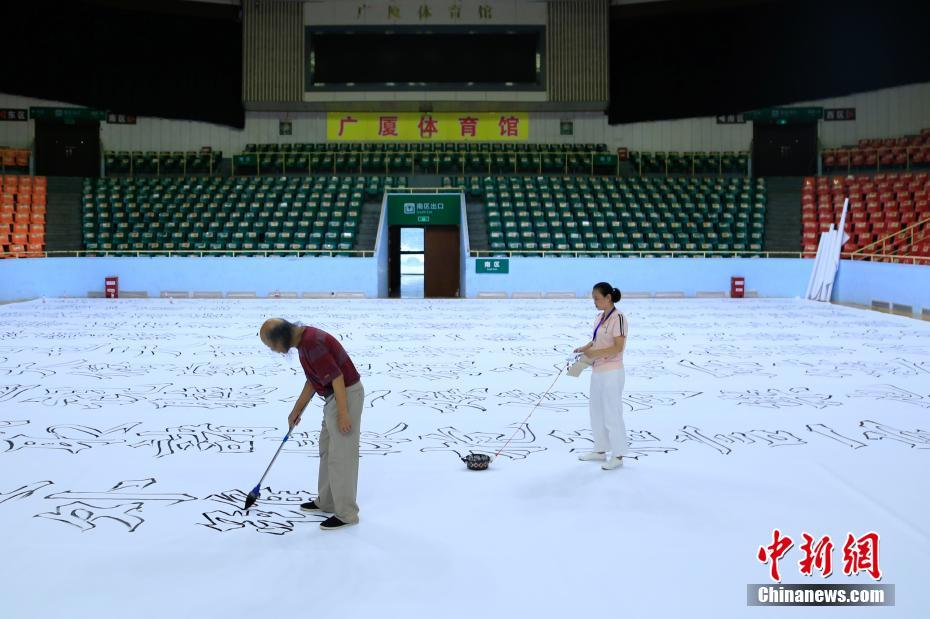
x=256 y=491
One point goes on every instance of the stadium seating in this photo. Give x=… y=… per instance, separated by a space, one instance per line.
x=14 y=160
x=162 y=162
x=573 y=214
x=196 y=215
x=901 y=153
x=879 y=205
x=428 y=158
x=714 y=163
x=22 y=216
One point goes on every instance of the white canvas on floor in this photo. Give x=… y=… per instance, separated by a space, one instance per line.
x=131 y=430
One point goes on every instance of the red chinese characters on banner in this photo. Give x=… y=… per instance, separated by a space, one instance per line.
x=427 y=126
x=387 y=125
x=346 y=120
x=509 y=126
x=469 y=126
x=819 y=556
x=772 y=553
x=861 y=555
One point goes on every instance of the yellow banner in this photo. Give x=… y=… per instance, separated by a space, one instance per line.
x=427 y=127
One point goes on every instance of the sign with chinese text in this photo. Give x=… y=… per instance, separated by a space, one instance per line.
x=425 y=12
x=492 y=265
x=67 y=114
x=427 y=126
x=15 y=114
x=730 y=119
x=840 y=113
x=424 y=209
x=120 y=119
x=786 y=114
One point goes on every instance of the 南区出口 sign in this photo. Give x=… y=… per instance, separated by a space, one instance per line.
x=426 y=209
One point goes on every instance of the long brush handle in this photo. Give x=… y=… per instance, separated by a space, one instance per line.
x=270 y=464
x=531 y=413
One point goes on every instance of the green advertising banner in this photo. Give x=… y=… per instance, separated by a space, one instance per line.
x=492 y=265
x=424 y=209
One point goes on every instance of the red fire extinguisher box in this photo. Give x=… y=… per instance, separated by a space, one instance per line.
x=111 y=287
x=737 y=287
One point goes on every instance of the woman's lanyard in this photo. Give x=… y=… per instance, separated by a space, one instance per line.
x=594 y=337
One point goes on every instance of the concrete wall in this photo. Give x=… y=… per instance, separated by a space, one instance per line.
x=857 y=281
x=58 y=277
x=863 y=282
x=773 y=277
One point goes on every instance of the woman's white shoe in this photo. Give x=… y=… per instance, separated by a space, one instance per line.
x=591 y=456
x=614 y=463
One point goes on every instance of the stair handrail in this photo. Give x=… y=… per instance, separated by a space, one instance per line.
x=884 y=240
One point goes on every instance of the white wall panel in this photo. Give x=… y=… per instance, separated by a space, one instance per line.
x=884 y=113
x=20 y=134
x=890 y=112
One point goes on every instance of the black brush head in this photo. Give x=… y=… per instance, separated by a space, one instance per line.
x=250 y=500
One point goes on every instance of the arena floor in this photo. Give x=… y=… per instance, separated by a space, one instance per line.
x=131 y=430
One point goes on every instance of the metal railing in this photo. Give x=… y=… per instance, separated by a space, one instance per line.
x=884 y=241
x=575 y=253
x=891 y=258
x=694 y=156
x=183 y=156
x=388 y=167
x=200 y=253
x=424 y=189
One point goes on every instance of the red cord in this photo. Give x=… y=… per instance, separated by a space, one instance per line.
x=530 y=415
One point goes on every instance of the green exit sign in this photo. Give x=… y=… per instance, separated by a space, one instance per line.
x=66 y=114
x=785 y=115
x=494 y=265
x=424 y=209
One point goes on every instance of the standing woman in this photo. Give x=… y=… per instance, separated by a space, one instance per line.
x=607 y=378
